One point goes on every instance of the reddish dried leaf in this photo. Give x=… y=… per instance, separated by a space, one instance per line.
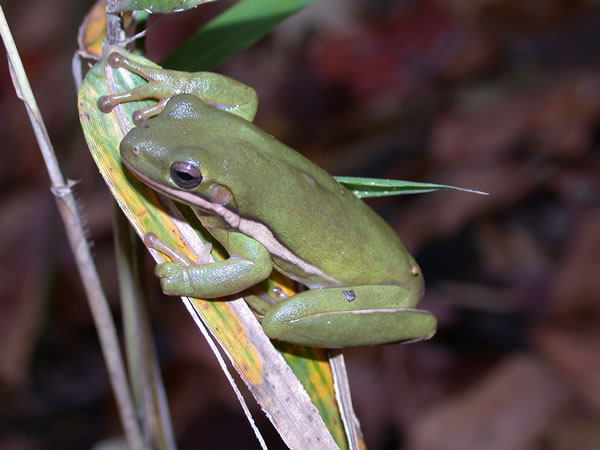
x=574 y=352
x=510 y=409
x=577 y=285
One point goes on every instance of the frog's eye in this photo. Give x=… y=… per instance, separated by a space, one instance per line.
x=185 y=175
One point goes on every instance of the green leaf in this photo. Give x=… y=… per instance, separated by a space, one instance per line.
x=154 y=6
x=377 y=187
x=231 y=32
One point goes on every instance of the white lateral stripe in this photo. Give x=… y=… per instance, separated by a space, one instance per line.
x=256 y=230
x=359 y=311
x=265 y=236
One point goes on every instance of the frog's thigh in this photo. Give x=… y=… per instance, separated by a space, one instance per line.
x=349 y=316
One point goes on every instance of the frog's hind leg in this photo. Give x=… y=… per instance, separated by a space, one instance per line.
x=349 y=316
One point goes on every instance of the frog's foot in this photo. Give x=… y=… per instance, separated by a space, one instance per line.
x=277 y=293
x=214 y=89
x=174 y=279
x=161 y=85
x=151 y=240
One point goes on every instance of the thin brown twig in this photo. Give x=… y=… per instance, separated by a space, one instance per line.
x=67 y=207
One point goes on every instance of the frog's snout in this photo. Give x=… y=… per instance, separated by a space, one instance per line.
x=134 y=151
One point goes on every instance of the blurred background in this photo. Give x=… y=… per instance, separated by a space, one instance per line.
x=496 y=95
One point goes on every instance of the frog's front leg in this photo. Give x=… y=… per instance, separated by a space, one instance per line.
x=249 y=263
x=349 y=316
x=214 y=89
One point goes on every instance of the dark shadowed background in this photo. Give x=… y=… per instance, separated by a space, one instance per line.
x=496 y=95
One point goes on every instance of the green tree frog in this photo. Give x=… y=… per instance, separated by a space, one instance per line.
x=271 y=209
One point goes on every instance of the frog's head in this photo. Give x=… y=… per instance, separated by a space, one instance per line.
x=176 y=153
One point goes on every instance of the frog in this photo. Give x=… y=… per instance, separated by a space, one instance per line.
x=271 y=209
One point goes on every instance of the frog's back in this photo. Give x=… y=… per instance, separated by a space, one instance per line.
x=323 y=222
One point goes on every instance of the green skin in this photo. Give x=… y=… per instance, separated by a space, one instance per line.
x=271 y=208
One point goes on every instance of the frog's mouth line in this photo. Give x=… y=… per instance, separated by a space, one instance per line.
x=178 y=194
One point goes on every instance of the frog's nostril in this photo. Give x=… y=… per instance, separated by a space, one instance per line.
x=135 y=150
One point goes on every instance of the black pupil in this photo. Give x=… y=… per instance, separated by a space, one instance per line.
x=184 y=176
